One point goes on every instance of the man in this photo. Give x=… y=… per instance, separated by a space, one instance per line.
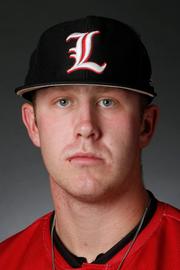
x=91 y=114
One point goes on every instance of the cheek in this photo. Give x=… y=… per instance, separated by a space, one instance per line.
x=123 y=136
x=123 y=128
x=54 y=134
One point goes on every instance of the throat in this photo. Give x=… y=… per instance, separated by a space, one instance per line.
x=102 y=256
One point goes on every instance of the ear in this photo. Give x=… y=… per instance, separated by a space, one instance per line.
x=29 y=120
x=149 y=121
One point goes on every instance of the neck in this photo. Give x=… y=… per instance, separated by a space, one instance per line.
x=82 y=226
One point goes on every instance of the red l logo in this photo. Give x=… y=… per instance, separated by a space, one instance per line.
x=82 y=52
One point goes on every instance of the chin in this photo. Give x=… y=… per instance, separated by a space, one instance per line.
x=88 y=198
x=92 y=194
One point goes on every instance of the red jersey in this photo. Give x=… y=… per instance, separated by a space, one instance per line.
x=156 y=248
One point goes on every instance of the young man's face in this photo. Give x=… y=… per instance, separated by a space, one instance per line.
x=90 y=138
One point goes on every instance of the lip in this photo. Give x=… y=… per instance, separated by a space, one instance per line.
x=84 y=159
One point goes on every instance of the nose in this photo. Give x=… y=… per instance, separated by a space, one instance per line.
x=87 y=125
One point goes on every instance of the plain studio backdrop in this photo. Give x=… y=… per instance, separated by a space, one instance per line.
x=24 y=186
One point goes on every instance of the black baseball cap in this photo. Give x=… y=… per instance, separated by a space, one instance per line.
x=89 y=51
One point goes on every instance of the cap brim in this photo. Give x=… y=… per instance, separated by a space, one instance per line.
x=20 y=91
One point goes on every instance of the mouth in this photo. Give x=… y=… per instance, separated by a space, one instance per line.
x=85 y=159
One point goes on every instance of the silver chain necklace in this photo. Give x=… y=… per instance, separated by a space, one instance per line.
x=127 y=251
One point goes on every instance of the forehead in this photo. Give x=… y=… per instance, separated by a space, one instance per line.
x=88 y=90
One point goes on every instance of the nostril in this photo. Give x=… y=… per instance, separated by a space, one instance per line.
x=87 y=130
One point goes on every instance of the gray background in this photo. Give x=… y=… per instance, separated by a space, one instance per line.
x=24 y=187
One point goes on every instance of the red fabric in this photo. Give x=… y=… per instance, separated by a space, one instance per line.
x=156 y=248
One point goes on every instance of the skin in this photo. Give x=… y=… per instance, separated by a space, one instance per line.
x=91 y=140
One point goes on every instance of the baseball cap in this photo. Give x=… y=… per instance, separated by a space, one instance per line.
x=89 y=51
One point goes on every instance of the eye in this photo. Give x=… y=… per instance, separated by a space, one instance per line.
x=106 y=102
x=63 y=102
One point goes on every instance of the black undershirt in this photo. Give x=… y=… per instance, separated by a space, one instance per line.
x=76 y=262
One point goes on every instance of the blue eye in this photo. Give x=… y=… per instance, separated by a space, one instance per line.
x=63 y=102
x=106 y=102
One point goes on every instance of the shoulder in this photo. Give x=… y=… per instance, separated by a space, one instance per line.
x=158 y=243
x=28 y=232
x=169 y=221
x=30 y=238
x=170 y=213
